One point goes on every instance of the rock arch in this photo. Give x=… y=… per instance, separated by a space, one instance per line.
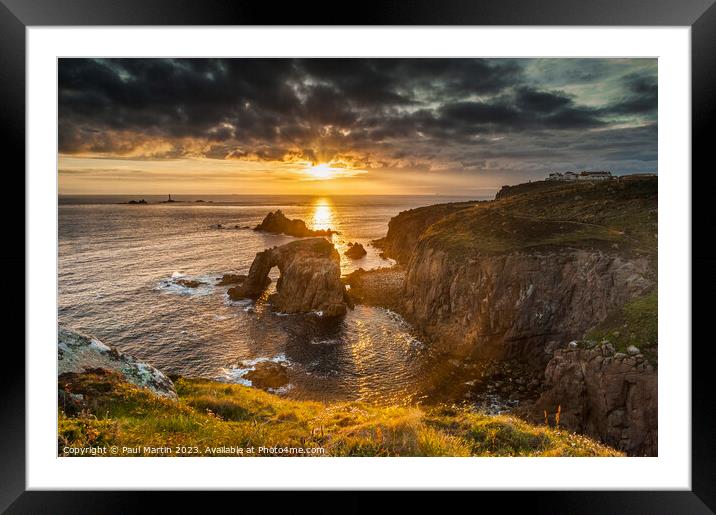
x=310 y=278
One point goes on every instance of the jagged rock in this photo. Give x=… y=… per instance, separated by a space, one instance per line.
x=355 y=251
x=268 y=374
x=231 y=279
x=310 y=278
x=278 y=223
x=77 y=353
x=614 y=400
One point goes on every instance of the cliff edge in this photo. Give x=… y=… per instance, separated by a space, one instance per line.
x=519 y=277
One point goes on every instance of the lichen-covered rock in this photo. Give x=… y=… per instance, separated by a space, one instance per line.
x=310 y=278
x=277 y=223
x=77 y=353
x=612 y=397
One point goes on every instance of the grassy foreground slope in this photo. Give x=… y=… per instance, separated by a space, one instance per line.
x=210 y=414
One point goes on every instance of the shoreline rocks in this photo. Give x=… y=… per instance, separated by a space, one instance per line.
x=277 y=223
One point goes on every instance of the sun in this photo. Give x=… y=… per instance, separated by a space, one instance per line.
x=321 y=171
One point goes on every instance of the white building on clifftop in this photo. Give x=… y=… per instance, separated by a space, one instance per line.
x=559 y=176
x=581 y=176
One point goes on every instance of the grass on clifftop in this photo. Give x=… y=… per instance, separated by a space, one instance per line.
x=616 y=216
x=212 y=414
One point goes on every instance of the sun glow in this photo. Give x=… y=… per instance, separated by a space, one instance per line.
x=322 y=171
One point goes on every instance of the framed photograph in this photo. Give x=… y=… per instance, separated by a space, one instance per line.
x=434 y=249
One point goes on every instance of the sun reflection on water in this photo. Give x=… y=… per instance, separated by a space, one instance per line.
x=322 y=215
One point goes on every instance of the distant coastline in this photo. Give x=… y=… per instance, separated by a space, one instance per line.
x=254 y=200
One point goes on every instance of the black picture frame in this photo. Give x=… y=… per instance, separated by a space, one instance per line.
x=17 y=15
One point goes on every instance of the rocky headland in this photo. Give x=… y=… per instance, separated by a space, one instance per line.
x=277 y=223
x=405 y=228
x=310 y=279
x=516 y=279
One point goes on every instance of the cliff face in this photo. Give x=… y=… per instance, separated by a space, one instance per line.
x=508 y=278
x=511 y=306
x=405 y=228
x=603 y=394
x=541 y=265
x=310 y=278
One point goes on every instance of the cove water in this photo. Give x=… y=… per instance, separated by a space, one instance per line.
x=119 y=267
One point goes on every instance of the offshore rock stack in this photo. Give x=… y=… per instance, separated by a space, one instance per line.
x=310 y=278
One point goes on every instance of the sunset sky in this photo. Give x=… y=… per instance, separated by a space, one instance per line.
x=348 y=126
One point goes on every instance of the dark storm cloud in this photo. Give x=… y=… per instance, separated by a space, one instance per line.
x=385 y=112
x=640 y=97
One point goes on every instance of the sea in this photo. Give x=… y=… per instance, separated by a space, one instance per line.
x=119 y=267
